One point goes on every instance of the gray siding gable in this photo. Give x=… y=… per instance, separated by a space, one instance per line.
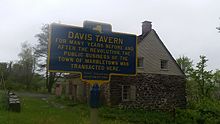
x=152 y=49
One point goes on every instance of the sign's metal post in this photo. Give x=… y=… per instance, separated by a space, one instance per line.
x=94 y=119
x=94 y=104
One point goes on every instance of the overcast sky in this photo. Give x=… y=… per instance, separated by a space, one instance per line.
x=186 y=27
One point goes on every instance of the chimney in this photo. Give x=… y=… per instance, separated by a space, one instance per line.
x=146 y=27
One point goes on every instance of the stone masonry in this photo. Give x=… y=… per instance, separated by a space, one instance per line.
x=153 y=91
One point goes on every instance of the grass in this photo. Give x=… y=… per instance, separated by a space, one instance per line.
x=36 y=111
x=39 y=111
x=61 y=111
x=136 y=116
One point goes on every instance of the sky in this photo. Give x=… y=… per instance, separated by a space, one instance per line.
x=186 y=27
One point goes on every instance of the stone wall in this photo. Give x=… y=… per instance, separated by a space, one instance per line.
x=153 y=91
x=105 y=94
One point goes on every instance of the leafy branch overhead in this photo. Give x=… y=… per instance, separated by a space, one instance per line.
x=42 y=47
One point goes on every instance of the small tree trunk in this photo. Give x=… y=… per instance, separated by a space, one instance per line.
x=49 y=88
x=51 y=81
x=47 y=79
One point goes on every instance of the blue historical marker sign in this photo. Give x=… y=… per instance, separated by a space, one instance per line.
x=95 y=54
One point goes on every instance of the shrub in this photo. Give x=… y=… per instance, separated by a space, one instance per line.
x=3 y=101
x=136 y=116
x=202 y=111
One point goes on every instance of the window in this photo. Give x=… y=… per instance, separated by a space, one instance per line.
x=125 y=93
x=140 y=62
x=164 y=64
x=128 y=93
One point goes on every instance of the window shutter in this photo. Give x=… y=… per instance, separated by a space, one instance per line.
x=133 y=93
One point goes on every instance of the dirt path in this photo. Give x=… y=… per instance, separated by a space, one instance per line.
x=41 y=96
x=35 y=95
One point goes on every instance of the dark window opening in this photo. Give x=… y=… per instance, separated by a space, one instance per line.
x=128 y=93
x=164 y=64
x=140 y=62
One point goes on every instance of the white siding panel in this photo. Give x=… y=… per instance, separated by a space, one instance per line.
x=153 y=51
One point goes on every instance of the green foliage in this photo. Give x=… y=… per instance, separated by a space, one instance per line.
x=60 y=110
x=200 y=82
x=4 y=70
x=186 y=116
x=192 y=90
x=15 y=86
x=136 y=116
x=42 y=47
x=205 y=110
x=27 y=62
x=41 y=53
x=185 y=64
x=18 y=84
x=38 y=111
x=217 y=78
x=203 y=78
x=3 y=101
x=200 y=86
x=20 y=75
x=38 y=83
x=48 y=111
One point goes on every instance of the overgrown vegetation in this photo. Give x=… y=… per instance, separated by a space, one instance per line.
x=29 y=71
x=36 y=111
x=54 y=110
x=60 y=110
x=202 y=93
x=136 y=116
x=201 y=83
x=41 y=54
x=3 y=101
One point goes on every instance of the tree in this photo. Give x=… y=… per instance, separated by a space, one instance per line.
x=16 y=75
x=217 y=77
x=27 y=62
x=41 y=52
x=3 y=73
x=3 y=69
x=185 y=64
x=203 y=78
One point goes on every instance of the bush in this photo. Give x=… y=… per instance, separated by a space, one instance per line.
x=3 y=101
x=186 y=116
x=14 y=86
x=136 y=116
x=202 y=111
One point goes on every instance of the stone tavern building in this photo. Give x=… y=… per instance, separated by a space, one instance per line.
x=159 y=83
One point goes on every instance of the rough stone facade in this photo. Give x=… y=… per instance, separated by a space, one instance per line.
x=153 y=91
